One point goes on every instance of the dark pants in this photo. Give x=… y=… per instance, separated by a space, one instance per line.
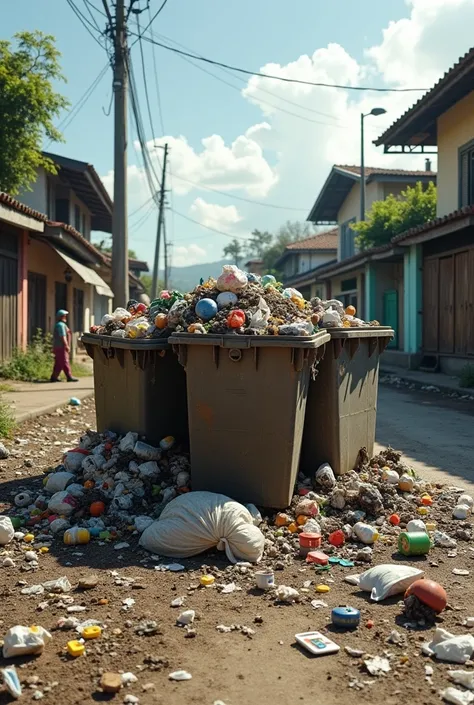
x=61 y=363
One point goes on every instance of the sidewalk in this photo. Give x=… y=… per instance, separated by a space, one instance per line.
x=444 y=383
x=31 y=399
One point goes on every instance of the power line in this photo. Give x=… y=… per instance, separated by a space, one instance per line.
x=91 y=4
x=88 y=6
x=278 y=78
x=145 y=83
x=208 y=227
x=85 y=22
x=157 y=85
x=152 y=20
x=240 y=198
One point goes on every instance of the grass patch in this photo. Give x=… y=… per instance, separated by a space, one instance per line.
x=5 y=387
x=35 y=364
x=466 y=378
x=7 y=421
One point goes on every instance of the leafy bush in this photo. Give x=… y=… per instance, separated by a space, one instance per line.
x=7 y=422
x=36 y=362
x=466 y=378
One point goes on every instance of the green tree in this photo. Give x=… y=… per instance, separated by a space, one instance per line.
x=28 y=106
x=292 y=231
x=258 y=243
x=395 y=215
x=234 y=250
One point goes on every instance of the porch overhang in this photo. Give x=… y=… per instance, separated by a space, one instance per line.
x=89 y=276
x=437 y=230
x=57 y=234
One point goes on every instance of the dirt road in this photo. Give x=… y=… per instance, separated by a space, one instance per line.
x=434 y=433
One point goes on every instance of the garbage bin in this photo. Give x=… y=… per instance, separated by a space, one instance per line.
x=246 y=405
x=342 y=400
x=139 y=386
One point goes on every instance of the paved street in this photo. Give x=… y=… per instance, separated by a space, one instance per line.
x=435 y=434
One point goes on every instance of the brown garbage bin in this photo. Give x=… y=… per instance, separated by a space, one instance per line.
x=139 y=386
x=246 y=406
x=342 y=400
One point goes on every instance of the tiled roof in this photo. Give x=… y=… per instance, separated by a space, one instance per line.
x=457 y=71
x=12 y=203
x=77 y=236
x=321 y=241
x=369 y=170
x=431 y=224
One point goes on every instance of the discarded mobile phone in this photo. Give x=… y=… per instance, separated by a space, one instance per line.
x=317 y=643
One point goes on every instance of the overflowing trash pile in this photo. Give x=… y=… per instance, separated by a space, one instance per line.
x=106 y=488
x=236 y=303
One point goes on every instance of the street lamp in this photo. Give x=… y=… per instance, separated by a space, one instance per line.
x=374 y=111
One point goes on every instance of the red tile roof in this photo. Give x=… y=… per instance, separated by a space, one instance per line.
x=431 y=224
x=459 y=70
x=15 y=205
x=80 y=238
x=321 y=241
x=369 y=170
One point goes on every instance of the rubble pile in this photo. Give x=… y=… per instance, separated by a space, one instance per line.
x=236 y=303
x=107 y=487
x=373 y=505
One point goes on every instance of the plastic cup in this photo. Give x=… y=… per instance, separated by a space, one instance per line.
x=265 y=579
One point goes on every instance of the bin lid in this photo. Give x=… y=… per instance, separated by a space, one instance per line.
x=251 y=341
x=108 y=341
x=362 y=332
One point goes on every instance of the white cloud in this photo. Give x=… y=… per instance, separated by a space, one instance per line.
x=212 y=215
x=184 y=256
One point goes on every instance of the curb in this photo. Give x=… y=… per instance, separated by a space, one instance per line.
x=48 y=409
x=446 y=389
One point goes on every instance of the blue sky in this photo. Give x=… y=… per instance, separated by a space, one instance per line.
x=287 y=158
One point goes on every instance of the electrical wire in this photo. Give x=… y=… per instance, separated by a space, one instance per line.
x=157 y=85
x=85 y=22
x=145 y=82
x=239 y=198
x=152 y=20
x=285 y=79
x=208 y=227
x=88 y=6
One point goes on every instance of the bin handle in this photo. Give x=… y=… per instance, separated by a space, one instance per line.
x=235 y=355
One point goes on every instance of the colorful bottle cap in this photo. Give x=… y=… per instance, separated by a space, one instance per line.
x=75 y=648
x=347 y=617
x=207 y=580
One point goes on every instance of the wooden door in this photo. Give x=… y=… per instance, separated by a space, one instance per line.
x=36 y=304
x=8 y=306
x=430 y=305
x=461 y=303
x=470 y=304
x=446 y=304
x=390 y=314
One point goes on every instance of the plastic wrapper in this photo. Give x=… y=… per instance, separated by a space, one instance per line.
x=232 y=279
x=259 y=318
x=297 y=329
x=6 y=530
x=22 y=641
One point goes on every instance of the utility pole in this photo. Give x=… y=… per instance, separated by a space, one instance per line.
x=161 y=212
x=119 y=219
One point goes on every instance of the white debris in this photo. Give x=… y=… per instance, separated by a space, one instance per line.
x=177 y=602
x=173 y=567
x=127 y=603
x=131 y=699
x=180 y=676
x=6 y=530
x=460 y=571
x=20 y=641
x=76 y=608
x=229 y=588
x=377 y=665
x=223 y=629
x=59 y=585
x=442 y=539
x=448 y=647
x=354 y=653
x=317 y=604
x=429 y=670
x=416 y=526
x=31 y=556
x=128 y=678
x=8 y=563
x=287 y=594
x=462 y=511
x=395 y=637
x=33 y=590
x=465 y=678
x=121 y=545
x=457 y=697
x=186 y=617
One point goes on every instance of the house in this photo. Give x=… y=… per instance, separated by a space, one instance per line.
x=439 y=255
x=301 y=261
x=372 y=282
x=255 y=266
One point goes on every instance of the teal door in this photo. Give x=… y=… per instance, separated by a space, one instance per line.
x=390 y=314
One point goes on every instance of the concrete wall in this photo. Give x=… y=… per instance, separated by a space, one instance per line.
x=85 y=225
x=351 y=206
x=42 y=259
x=455 y=129
x=336 y=285
x=298 y=263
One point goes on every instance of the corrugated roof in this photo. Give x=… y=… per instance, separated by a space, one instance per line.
x=446 y=92
x=12 y=203
x=320 y=241
x=379 y=171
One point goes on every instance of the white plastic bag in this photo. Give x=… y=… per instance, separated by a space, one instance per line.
x=456 y=696
x=58 y=481
x=385 y=580
x=62 y=503
x=259 y=318
x=325 y=476
x=128 y=442
x=416 y=526
x=197 y=521
x=232 y=279
x=365 y=532
x=73 y=460
x=6 y=530
x=20 y=641
x=448 y=647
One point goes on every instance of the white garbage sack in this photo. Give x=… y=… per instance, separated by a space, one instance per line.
x=385 y=580
x=6 y=530
x=20 y=641
x=197 y=521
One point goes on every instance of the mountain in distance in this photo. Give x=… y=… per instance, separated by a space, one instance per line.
x=186 y=278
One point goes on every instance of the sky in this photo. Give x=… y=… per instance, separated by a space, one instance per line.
x=267 y=141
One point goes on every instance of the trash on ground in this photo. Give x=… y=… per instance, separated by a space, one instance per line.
x=385 y=580
x=345 y=617
x=448 y=647
x=316 y=643
x=457 y=697
x=377 y=665
x=11 y=681
x=20 y=641
x=180 y=676
x=464 y=678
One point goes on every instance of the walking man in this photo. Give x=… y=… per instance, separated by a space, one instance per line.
x=61 y=348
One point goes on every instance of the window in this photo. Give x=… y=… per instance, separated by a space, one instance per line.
x=84 y=226
x=348 y=294
x=348 y=299
x=77 y=217
x=347 y=246
x=78 y=303
x=60 y=296
x=466 y=175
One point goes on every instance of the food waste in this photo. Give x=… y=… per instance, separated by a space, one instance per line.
x=238 y=303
